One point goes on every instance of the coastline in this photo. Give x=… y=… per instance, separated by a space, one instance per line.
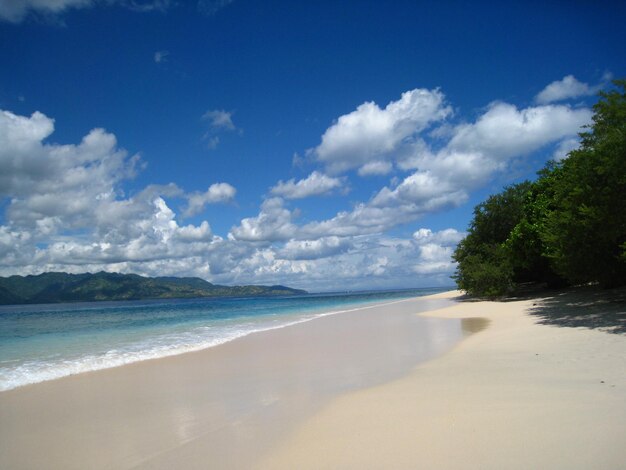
x=104 y=352
x=517 y=395
x=379 y=387
x=227 y=403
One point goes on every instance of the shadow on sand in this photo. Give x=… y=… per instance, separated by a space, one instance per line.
x=588 y=307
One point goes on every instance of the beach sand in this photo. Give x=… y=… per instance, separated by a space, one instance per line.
x=379 y=387
x=517 y=395
x=222 y=407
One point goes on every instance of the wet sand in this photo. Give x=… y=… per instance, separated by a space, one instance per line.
x=223 y=407
x=517 y=395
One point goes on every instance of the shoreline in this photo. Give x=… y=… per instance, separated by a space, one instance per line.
x=431 y=382
x=147 y=356
x=517 y=395
x=229 y=403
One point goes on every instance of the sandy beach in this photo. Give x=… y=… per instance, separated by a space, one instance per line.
x=516 y=395
x=431 y=382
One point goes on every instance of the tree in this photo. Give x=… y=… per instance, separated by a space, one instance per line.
x=484 y=263
x=568 y=226
x=584 y=234
x=525 y=246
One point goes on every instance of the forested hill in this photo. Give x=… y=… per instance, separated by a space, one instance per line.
x=63 y=287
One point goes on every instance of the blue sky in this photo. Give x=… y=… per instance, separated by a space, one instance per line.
x=323 y=145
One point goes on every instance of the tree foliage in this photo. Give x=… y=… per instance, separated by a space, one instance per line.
x=585 y=232
x=568 y=226
x=484 y=265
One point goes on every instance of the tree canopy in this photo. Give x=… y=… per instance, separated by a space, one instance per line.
x=569 y=226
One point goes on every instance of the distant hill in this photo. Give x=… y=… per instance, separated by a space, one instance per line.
x=63 y=287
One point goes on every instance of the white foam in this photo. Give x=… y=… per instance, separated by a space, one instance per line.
x=199 y=338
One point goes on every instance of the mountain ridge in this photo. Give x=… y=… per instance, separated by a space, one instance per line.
x=57 y=287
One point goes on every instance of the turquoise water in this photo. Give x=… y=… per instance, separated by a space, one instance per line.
x=44 y=342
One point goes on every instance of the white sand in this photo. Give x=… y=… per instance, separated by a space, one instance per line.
x=345 y=391
x=223 y=407
x=517 y=395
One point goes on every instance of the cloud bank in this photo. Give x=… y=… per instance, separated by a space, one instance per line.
x=65 y=206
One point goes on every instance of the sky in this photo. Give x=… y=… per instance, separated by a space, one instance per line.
x=327 y=146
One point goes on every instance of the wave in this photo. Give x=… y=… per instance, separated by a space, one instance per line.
x=199 y=338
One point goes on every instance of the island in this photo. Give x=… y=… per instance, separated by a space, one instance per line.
x=56 y=287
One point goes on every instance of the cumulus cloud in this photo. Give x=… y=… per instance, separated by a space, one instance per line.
x=504 y=131
x=273 y=223
x=315 y=184
x=362 y=262
x=218 y=192
x=447 y=237
x=565 y=147
x=567 y=88
x=314 y=249
x=434 y=259
x=66 y=209
x=53 y=182
x=416 y=196
x=375 y=168
x=370 y=133
x=466 y=155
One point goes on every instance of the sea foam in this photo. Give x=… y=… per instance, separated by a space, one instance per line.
x=168 y=339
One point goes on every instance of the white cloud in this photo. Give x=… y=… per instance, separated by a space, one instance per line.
x=273 y=223
x=219 y=119
x=65 y=207
x=375 y=168
x=315 y=184
x=16 y=11
x=467 y=155
x=66 y=210
x=64 y=182
x=434 y=259
x=416 y=196
x=371 y=134
x=447 y=237
x=568 y=87
x=218 y=192
x=565 y=147
x=504 y=131
x=314 y=249
x=435 y=251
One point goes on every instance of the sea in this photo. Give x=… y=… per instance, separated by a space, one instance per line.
x=45 y=342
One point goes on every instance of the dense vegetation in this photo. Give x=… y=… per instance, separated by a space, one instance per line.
x=566 y=228
x=62 y=287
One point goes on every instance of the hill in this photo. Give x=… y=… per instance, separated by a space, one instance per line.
x=87 y=287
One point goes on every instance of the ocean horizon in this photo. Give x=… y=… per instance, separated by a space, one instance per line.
x=49 y=341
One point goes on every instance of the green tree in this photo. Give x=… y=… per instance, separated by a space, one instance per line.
x=525 y=247
x=484 y=262
x=584 y=233
x=568 y=226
